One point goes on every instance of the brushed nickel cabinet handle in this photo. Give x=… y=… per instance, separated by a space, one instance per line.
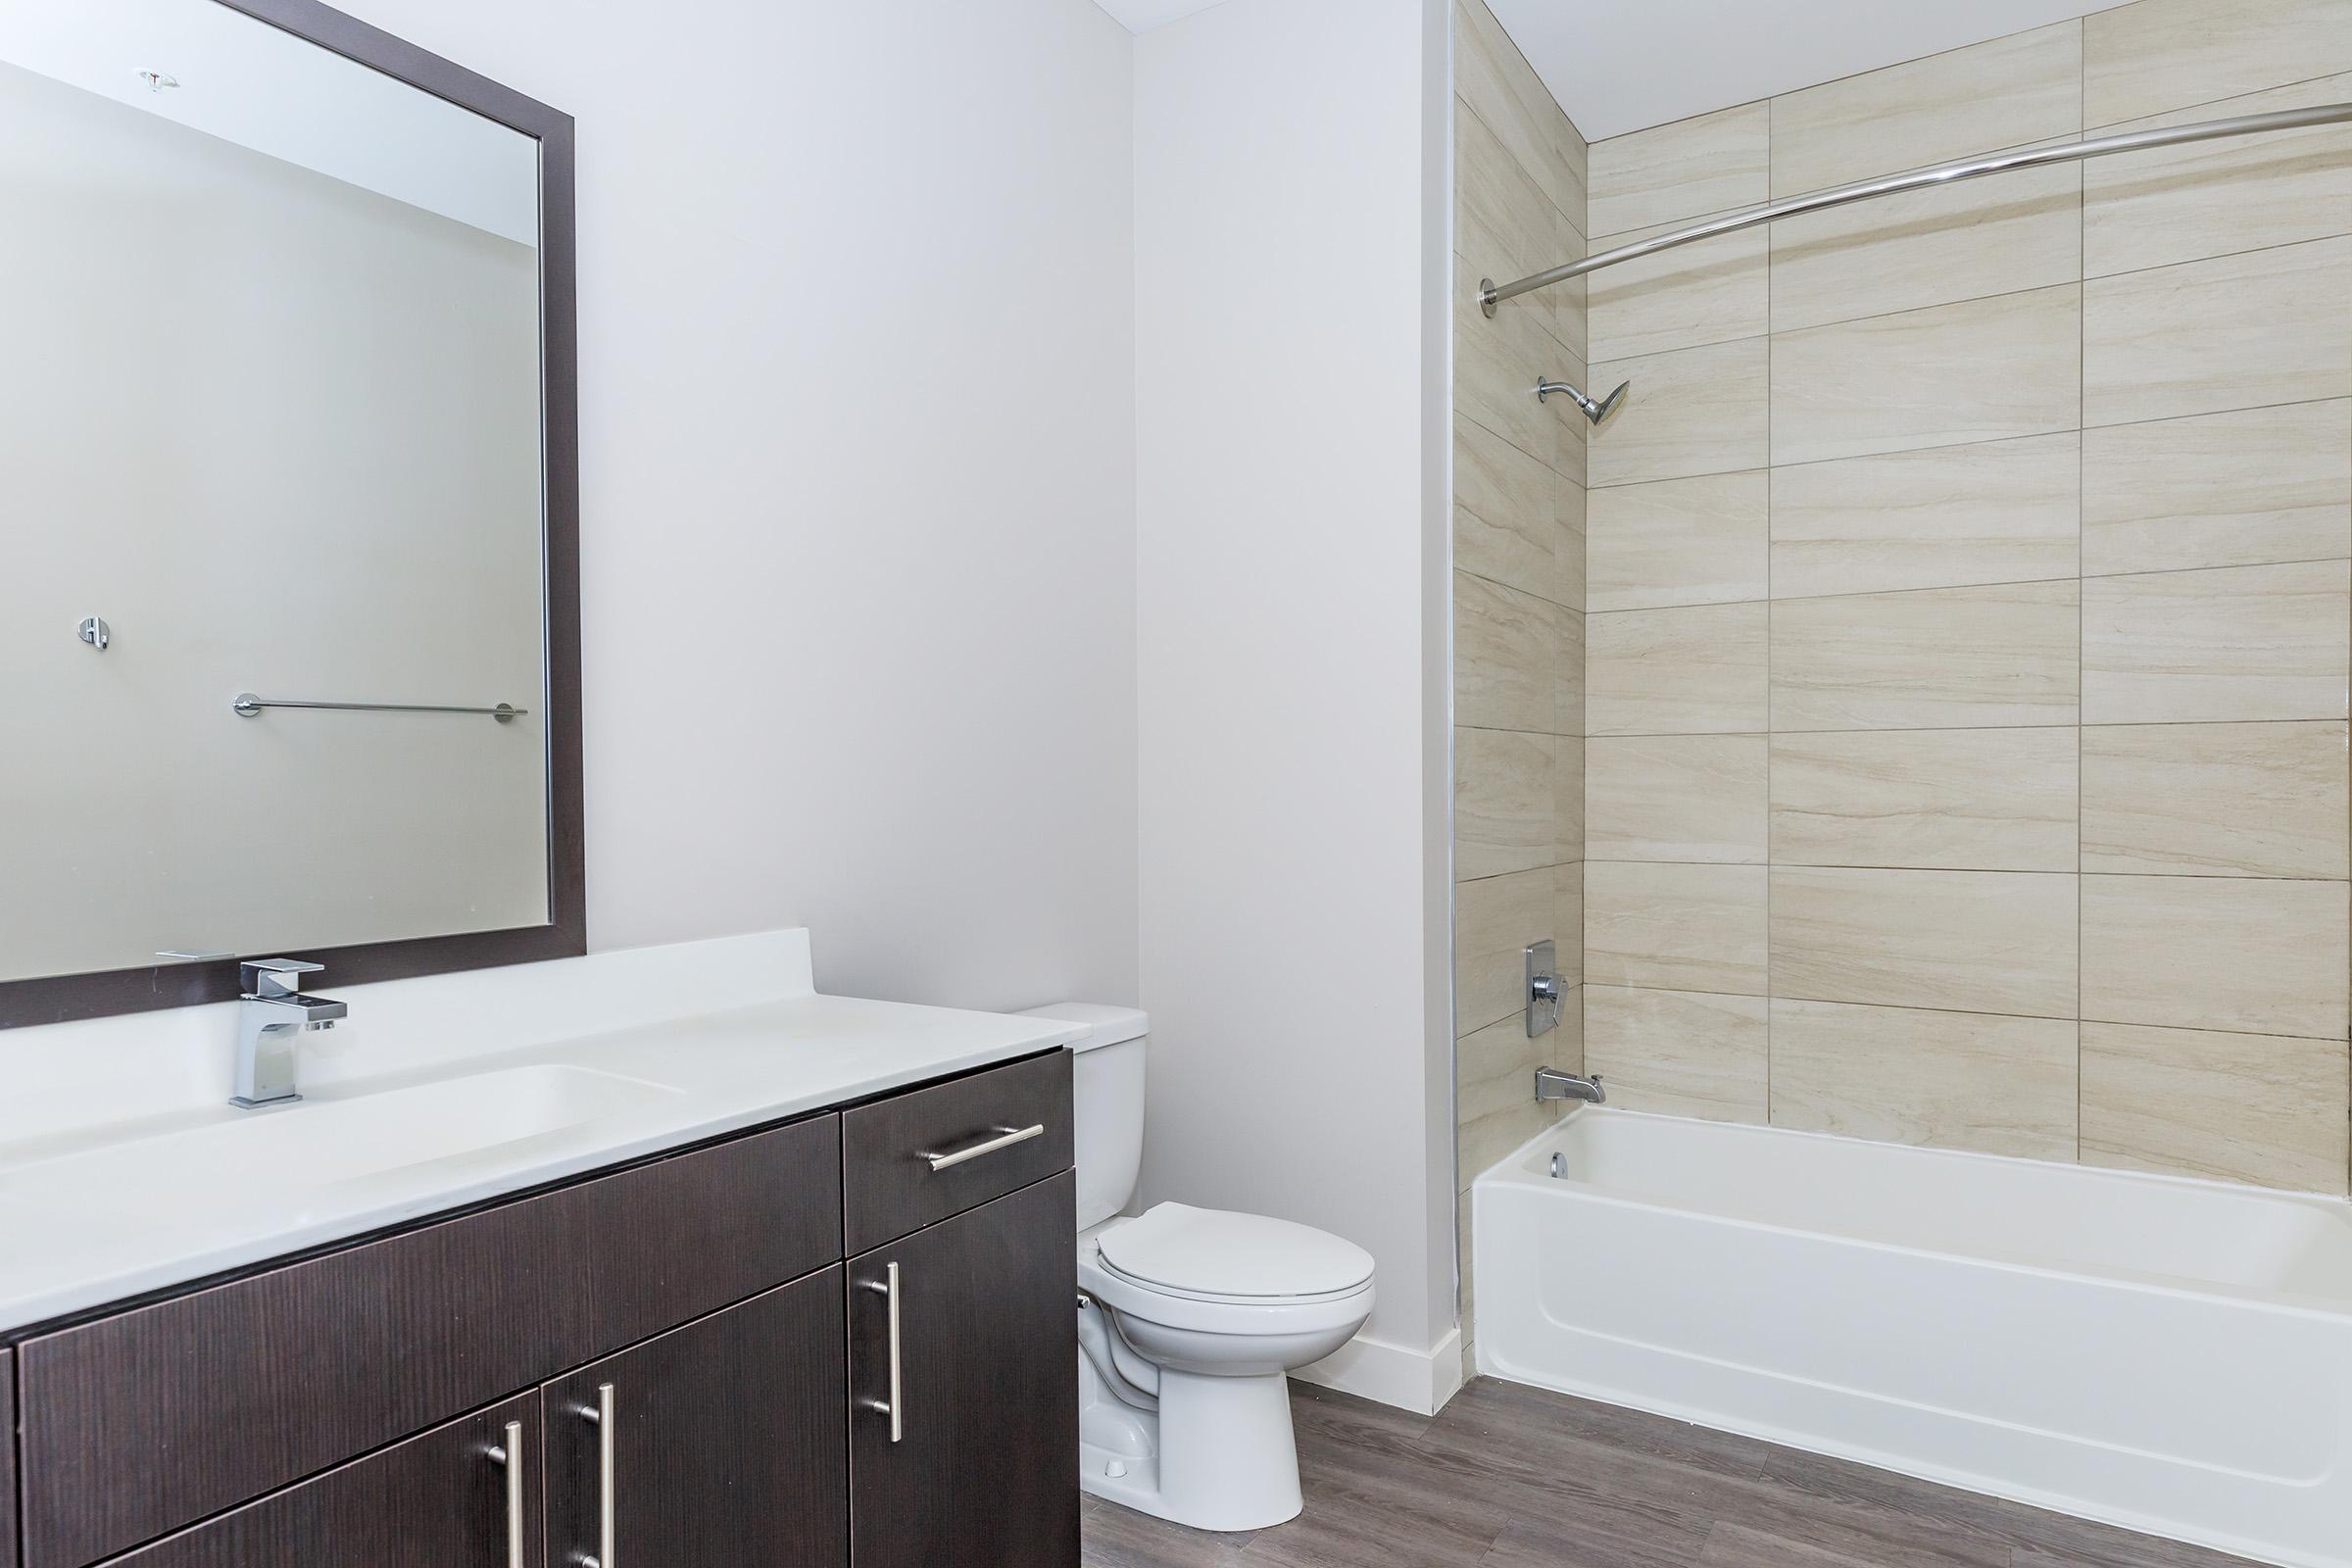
x=888 y=1287
x=602 y=1418
x=510 y=1454
x=1006 y=1139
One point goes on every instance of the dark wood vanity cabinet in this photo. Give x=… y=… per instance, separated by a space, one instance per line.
x=685 y=1343
x=126 y=1423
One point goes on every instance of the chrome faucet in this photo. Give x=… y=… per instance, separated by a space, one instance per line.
x=270 y=1018
x=1553 y=1084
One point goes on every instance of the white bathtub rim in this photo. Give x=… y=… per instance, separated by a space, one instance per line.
x=2068 y=1505
x=2289 y=1303
x=1507 y=1173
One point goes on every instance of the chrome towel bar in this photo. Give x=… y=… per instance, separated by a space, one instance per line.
x=251 y=706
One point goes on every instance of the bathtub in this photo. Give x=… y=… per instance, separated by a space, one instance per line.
x=2173 y=1356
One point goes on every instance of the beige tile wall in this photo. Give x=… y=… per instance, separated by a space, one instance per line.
x=1519 y=595
x=1968 y=615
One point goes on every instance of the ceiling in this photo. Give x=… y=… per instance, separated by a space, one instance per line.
x=1621 y=65
x=1142 y=16
x=248 y=83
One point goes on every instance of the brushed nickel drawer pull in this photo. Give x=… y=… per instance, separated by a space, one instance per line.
x=1005 y=1137
x=887 y=1286
x=510 y=1454
x=600 y=1418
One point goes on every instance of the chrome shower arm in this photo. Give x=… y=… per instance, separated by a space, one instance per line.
x=1594 y=411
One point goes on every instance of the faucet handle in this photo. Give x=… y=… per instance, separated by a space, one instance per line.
x=274 y=977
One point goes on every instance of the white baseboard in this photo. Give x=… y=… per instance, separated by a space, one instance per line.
x=1419 y=1381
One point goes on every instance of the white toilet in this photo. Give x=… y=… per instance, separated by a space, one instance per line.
x=1188 y=1318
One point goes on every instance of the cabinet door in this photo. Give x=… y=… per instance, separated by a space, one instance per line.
x=8 y=1461
x=974 y=1461
x=720 y=1444
x=462 y=1495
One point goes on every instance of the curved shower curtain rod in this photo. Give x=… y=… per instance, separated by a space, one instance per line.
x=1492 y=294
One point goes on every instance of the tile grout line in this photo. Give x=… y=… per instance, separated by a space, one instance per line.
x=2082 y=279
x=1951 y=446
x=1549 y=199
x=2079 y=283
x=1770 y=100
x=1461 y=412
x=1546 y=321
x=2081 y=412
x=1525 y=593
x=2112 y=127
x=1942 y=730
x=1771 y=946
x=1952 y=587
x=1970 y=1012
x=1960 y=870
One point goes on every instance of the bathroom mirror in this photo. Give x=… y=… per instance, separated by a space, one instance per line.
x=288 y=620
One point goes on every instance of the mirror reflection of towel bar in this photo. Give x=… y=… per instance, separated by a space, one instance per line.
x=251 y=706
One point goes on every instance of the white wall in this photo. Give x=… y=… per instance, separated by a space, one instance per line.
x=1289 y=182
x=871 y=318
x=856 y=424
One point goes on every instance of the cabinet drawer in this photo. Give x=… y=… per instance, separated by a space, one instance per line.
x=688 y=1235
x=137 y=1424
x=916 y=1159
x=441 y=1497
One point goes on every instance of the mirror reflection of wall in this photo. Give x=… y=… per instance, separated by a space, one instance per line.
x=269 y=404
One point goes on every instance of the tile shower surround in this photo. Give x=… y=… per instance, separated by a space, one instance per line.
x=1518 y=595
x=1965 y=614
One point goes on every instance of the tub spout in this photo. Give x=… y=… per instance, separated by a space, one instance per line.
x=1553 y=1084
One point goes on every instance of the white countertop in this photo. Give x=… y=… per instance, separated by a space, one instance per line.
x=75 y=1233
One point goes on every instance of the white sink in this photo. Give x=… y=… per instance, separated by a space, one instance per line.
x=284 y=1161
x=124 y=1171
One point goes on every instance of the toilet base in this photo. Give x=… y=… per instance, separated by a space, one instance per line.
x=1218 y=1454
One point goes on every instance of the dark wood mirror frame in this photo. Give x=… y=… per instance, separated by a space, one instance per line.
x=54 y=998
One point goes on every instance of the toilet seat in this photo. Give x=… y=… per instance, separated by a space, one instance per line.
x=1211 y=1255
x=1242 y=1273
x=1218 y=1299
x=1259 y=1315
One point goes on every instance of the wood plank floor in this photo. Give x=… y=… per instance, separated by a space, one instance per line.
x=1512 y=1477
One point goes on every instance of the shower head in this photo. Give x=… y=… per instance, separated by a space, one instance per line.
x=1596 y=411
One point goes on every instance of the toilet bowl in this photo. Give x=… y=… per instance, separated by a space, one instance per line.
x=1184 y=1402
x=1189 y=1319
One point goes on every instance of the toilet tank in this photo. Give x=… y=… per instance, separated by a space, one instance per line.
x=1108 y=1112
